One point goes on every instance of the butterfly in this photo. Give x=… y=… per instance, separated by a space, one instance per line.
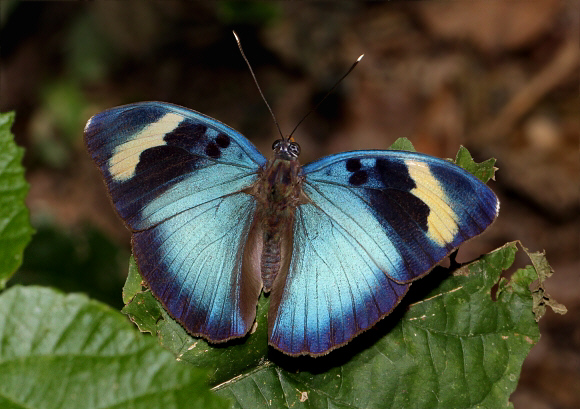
x=336 y=243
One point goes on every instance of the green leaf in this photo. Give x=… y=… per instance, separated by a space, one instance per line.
x=483 y=171
x=66 y=351
x=402 y=144
x=448 y=345
x=15 y=229
x=133 y=283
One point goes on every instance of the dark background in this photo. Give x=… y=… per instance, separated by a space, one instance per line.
x=500 y=77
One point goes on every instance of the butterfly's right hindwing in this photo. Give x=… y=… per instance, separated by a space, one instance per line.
x=193 y=263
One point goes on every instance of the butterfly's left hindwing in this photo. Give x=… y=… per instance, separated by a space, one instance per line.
x=376 y=221
x=176 y=177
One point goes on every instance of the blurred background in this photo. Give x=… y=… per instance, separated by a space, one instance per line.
x=500 y=77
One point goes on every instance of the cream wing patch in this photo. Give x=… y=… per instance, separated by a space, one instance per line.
x=125 y=157
x=441 y=223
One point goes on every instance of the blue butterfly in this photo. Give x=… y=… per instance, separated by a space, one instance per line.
x=336 y=242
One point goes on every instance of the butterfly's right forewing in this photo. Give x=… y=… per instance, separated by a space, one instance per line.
x=158 y=159
x=176 y=177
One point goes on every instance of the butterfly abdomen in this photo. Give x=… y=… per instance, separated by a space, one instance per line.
x=270 y=259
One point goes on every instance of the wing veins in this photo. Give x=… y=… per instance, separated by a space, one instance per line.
x=213 y=297
x=369 y=205
x=173 y=182
x=307 y=236
x=366 y=260
x=236 y=264
x=357 y=223
x=187 y=222
x=199 y=252
x=348 y=281
x=190 y=208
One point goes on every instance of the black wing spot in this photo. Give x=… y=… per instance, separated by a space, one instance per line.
x=353 y=164
x=188 y=135
x=358 y=178
x=417 y=209
x=222 y=140
x=212 y=150
x=157 y=167
x=394 y=174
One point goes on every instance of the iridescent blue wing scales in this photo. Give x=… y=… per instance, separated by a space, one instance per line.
x=193 y=264
x=376 y=221
x=333 y=289
x=176 y=177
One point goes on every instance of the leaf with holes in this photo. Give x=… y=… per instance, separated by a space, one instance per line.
x=483 y=171
x=453 y=348
x=447 y=345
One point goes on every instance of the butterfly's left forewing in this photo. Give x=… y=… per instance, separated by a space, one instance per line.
x=176 y=177
x=376 y=221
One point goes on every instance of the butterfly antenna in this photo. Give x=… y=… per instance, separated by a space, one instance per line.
x=328 y=93
x=257 y=85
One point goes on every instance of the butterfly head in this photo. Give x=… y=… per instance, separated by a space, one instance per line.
x=286 y=149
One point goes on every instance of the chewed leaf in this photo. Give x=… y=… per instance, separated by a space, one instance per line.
x=543 y=271
x=15 y=229
x=403 y=144
x=483 y=171
x=448 y=345
x=454 y=347
x=540 y=264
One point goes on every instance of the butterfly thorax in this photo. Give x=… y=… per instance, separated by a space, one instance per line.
x=278 y=192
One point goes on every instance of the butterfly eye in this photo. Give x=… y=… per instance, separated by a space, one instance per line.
x=276 y=144
x=294 y=149
x=286 y=150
